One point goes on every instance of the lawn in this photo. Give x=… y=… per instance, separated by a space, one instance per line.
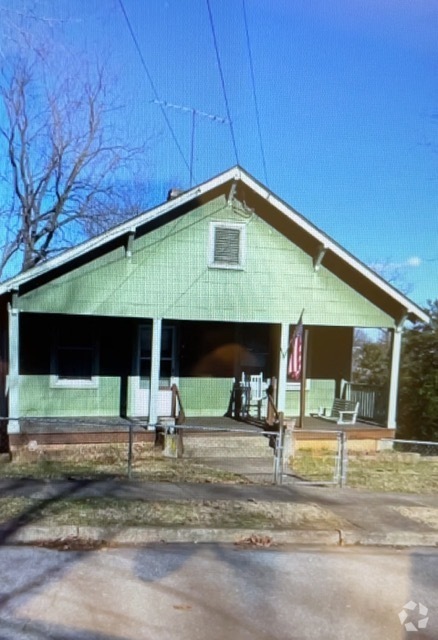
x=110 y=512
x=91 y=461
x=388 y=472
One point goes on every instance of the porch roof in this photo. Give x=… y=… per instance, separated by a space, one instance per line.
x=237 y=183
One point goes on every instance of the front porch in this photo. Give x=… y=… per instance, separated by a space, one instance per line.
x=91 y=430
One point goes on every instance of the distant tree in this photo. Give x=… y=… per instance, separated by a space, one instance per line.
x=62 y=159
x=371 y=359
x=418 y=398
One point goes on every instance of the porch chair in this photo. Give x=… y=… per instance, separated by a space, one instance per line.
x=253 y=387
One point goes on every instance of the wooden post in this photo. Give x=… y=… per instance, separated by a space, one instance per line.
x=282 y=367
x=303 y=379
x=270 y=418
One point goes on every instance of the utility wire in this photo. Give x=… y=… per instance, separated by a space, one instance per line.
x=155 y=92
x=254 y=94
x=195 y=113
x=222 y=80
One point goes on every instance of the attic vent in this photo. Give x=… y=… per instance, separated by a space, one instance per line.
x=227 y=245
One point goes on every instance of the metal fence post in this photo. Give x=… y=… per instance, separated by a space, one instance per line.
x=342 y=460
x=130 y=450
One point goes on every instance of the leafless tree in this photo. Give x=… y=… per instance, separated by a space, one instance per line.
x=61 y=180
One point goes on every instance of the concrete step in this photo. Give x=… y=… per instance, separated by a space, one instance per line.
x=226 y=446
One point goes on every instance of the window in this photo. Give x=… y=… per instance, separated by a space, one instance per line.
x=74 y=358
x=227 y=245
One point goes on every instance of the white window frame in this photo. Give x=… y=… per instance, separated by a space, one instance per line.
x=74 y=383
x=242 y=245
x=296 y=386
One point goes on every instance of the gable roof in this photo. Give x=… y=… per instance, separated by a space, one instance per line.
x=236 y=182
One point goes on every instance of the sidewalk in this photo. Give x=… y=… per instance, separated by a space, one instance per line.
x=328 y=516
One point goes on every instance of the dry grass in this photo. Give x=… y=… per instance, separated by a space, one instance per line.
x=390 y=472
x=91 y=461
x=387 y=472
x=110 y=512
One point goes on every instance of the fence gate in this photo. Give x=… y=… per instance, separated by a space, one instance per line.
x=315 y=457
x=250 y=453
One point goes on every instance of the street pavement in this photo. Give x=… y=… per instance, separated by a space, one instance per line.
x=344 y=516
x=217 y=592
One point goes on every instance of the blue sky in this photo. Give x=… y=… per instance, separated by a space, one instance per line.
x=347 y=94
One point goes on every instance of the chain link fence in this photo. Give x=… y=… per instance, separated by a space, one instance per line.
x=234 y=453
x=315 y=457
x=403 y=466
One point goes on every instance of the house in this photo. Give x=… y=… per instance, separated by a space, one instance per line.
x=193 y=292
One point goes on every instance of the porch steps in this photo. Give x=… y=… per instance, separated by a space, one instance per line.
x=227 y=445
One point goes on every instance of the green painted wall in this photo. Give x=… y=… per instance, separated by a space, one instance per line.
x=205 y=396
x=168 y=276
x=39 y=399
x=319 y=394
x=200 y=396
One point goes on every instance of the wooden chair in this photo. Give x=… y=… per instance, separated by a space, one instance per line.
x=341 y=412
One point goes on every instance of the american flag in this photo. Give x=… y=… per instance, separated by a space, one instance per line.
x=295 y=351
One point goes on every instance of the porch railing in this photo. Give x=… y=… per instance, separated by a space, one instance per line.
x=372 y=400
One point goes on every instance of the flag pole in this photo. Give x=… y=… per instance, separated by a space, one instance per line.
x=303 y=379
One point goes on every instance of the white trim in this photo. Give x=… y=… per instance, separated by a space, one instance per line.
x=394 y=378
x=157 y=324
x=73 y=383
x=296 y=386
x=13 y=378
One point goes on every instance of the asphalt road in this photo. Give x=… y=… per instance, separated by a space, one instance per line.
x=216 y=592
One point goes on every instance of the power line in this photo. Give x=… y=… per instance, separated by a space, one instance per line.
x=222 y=80
x=254 y=94
x=194 y=112
x=149 y=77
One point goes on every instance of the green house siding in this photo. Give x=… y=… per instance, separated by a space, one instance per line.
x=320 y=393
x=168 y=276
x=205 y=396
x=39 y=399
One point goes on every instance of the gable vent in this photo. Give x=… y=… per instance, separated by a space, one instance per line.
x=227 y=245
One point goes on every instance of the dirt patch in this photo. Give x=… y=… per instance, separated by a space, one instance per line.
x=423 y=515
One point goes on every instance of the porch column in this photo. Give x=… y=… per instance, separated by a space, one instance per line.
x=282 y=367
x=155 y=370
x=13 y=386
x=393 y=382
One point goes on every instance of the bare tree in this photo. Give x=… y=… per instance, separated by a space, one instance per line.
x=62 y=177
x=394 y=273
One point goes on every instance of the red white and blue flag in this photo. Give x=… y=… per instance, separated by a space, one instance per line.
x=296 y=351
